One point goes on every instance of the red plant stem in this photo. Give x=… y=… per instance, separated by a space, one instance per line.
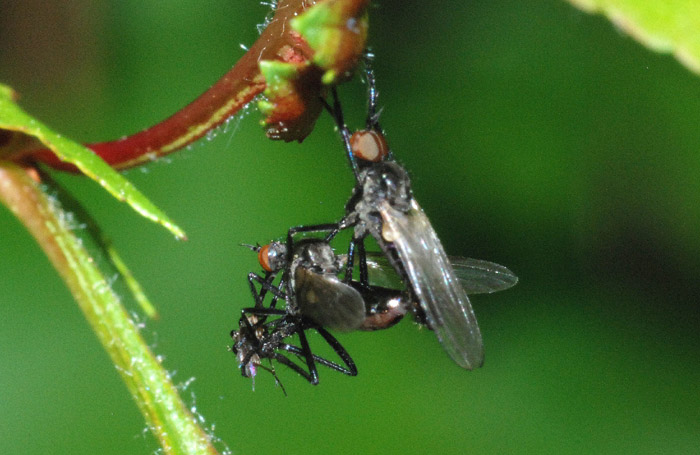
x=226 y=97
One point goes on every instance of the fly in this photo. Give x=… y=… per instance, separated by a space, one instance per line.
x=382 y=205
x=315 y=298
x=257 y=339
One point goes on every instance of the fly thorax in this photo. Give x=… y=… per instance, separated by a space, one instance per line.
x=368 y=219
x=319 y=257
x=385 y=182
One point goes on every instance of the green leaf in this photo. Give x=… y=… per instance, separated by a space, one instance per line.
x=150 y=385
x=131 y=282
x=93 y=230
x=13 y=118
x=671 y=26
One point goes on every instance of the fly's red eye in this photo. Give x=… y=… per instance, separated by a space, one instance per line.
x=369 y=145
x=264 y=258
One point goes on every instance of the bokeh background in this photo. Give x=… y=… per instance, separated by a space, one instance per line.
x=537 y=137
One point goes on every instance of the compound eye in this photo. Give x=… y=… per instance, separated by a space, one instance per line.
x=272 y=257
x=264 y=257
x=369 y=145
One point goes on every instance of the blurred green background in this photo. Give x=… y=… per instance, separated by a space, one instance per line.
x=537 y=137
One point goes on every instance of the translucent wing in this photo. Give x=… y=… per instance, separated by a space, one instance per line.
x=381 y=273
x=482 y=277
x=434 y=283
x=328 y=301
x=475 y=276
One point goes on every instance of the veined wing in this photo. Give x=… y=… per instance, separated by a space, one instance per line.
x=482 y=277
x=434 y=283
x=381 y=273
x=475 y=276
x=328 y=301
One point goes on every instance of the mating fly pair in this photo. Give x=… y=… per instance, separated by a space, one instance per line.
x=314 y=298
x=435 y=287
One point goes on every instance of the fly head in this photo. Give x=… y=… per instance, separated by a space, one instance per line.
x=273 y=256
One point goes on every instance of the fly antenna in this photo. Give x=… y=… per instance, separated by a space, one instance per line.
x=255 y=247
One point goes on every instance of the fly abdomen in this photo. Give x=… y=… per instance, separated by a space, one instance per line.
x=384 y=307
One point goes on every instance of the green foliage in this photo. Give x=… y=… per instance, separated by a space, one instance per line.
x=13 y=118
x=664 y=26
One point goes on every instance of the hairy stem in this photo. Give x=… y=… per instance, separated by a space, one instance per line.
x=148 y=382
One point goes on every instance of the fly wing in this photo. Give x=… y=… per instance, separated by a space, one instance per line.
x=381 y=273
x=475 y=276
x=434 y=283
x=482 y=277
x=328 y=301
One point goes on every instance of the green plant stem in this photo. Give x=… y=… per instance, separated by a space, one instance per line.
x=148 y=382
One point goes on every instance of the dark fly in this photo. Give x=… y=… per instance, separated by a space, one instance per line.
x=258 y=338
x=310 y=283
x=382 y=205
x=314 y=298
x=310 y=275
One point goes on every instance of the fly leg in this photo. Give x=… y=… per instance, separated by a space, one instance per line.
x=351 y=369
x=357 y=248
x=372 y=122
x=364 y=279
x=331 y=229
x=309 y=357
x=336 y=112
x=265 y=286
